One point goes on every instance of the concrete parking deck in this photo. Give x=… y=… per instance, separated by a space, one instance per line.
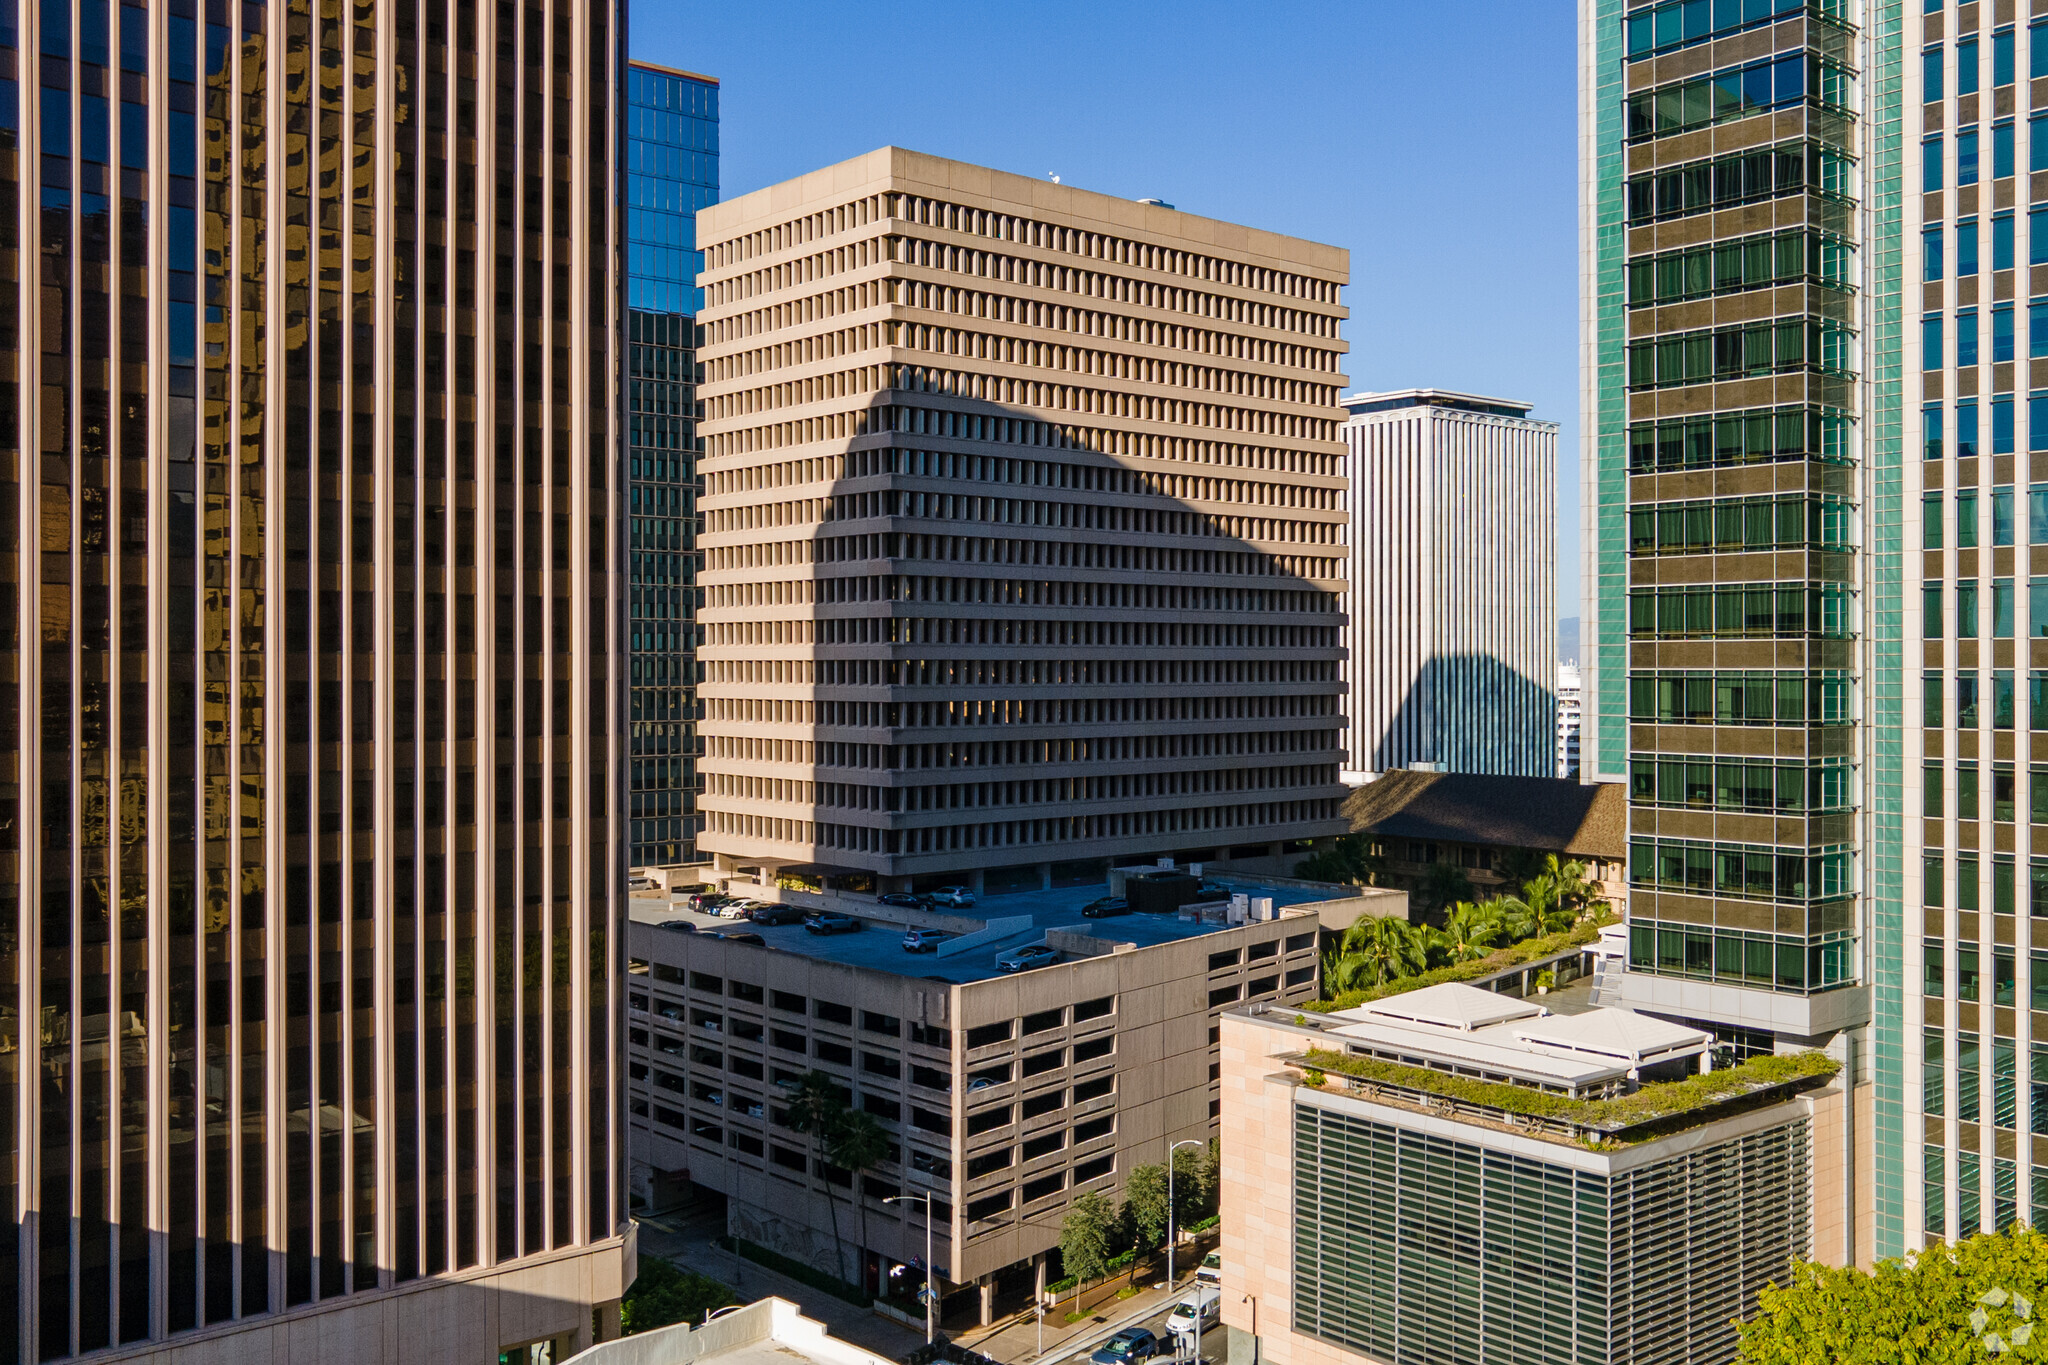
x=879 y=945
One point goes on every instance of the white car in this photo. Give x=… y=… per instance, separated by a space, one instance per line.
x=1024 y=959
x=953 y=897
x=1211 y=1270
x=1196 y=1312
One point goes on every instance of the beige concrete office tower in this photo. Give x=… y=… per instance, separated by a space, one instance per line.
x=1021 y=529
x=309 y=827
x=1452 y=503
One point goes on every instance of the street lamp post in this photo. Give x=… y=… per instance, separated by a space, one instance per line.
x=1171 y=1235
x=931 y=1301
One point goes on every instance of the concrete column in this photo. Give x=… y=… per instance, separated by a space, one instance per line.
x=609 y=1326
x=974 y=884
x=987 y=1285
x=1038 y=1267
x=1045 y=876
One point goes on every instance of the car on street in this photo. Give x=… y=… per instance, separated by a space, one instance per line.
x=954 y=897
x=1127 y=1347
x=925 y=940
x=1196 y=1312
x=1024 y=959
x=640 y=883
x=903 y=900
x=1211 y=1269
x=704 y=902
x=776 y=914
x=737 y=909
x=828 y=922
x=1105 y=907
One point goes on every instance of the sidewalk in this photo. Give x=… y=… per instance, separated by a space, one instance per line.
x=1014 y=1341
x=688 y=1246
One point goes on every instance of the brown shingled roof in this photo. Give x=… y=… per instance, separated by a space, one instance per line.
x=1549 y=814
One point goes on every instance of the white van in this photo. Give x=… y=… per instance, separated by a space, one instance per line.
x=1211 y=1271
x=1196 y=1312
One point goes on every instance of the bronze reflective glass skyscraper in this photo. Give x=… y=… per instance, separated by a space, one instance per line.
x=309 y=846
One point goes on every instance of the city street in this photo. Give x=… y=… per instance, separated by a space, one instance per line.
x=1018 y=1342
x=687 y=1243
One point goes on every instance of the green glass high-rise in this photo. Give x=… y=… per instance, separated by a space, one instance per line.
x=1793 y=853
x=671 y=172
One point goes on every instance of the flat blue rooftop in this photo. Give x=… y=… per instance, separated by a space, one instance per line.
x=879 y=946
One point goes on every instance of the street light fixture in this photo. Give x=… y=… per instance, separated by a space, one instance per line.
x=1171 y=1235
x=931 y=1301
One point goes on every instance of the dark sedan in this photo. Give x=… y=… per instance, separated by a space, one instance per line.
x=775 y=914
x=1107 y=906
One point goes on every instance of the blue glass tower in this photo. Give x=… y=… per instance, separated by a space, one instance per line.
x=671 y=172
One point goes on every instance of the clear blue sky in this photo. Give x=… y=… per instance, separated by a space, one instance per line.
x=1434 y=140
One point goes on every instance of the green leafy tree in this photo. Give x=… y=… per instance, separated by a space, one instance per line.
x=1920 y=1309
x=816 y=1110
x=1145 y=1210
x=1192 y=1189
x=856 y=1143
x=664 y=1295
x=1470 y=931
x=1443 y=885
x=1372 y=952
x=1085 y=1237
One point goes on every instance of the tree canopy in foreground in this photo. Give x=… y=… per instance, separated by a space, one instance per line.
x=1981 y=1299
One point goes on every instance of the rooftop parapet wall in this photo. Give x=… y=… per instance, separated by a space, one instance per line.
x=1005 y=192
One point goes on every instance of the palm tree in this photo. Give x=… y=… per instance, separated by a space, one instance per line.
x=856 y=1143
x=1575 y=890
x=1470 y=931
x=1518 y=919
x=1373 y=952
x=1559 y=894
x=1444 y=884
x=816 y=1110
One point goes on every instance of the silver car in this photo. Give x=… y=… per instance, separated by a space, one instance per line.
x=1024 y=959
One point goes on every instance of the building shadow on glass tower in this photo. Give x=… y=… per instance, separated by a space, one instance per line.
x=1471 y=713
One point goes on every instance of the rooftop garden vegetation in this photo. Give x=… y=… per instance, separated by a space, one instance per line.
x=1557 y=908
x=1651 y=1105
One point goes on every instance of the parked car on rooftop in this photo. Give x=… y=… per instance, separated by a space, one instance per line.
x=925 y=940
x=1023 y=959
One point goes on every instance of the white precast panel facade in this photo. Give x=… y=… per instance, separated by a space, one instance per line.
x=1452 y=501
